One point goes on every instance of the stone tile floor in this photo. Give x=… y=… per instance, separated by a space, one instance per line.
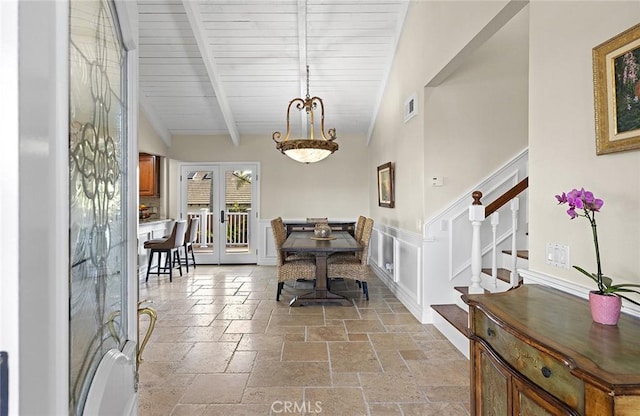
x=223 y=346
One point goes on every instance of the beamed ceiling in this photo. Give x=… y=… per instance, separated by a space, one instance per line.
x=230 y=67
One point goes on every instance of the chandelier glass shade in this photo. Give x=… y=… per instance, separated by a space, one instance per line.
x=307 y=150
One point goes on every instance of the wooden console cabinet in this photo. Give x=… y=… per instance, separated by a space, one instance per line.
x=536 y=351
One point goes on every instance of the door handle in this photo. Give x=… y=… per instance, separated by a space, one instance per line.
x=222 y=217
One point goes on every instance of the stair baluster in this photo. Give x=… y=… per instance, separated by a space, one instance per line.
x=515 y=207
x=495 y=220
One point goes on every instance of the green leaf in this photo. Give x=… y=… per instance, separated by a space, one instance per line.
x=629 y=299
x=586 y=273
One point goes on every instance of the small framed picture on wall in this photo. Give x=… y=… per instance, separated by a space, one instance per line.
x=385 y=185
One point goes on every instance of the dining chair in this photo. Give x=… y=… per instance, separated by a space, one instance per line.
x=354 y=267
x=190 y=237
x=289 y=268
x=170 y=247
x=359 y=225
x=358 y=237
x=279 y=227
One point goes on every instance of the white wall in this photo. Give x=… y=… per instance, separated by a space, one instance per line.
x=476 y=120
x=336 y=187
x=148 y=140
x=562 y=142
x=434 y=33
x=9 y=194
x=468 y=125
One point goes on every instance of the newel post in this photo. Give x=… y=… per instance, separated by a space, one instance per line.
x=476 y=216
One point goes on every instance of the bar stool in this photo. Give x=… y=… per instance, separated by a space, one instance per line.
x=189 y=239
x=169 y=246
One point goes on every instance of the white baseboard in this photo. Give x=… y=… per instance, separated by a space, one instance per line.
x=407 y=299
x=534 y=277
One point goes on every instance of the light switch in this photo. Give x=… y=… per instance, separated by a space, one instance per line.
x=557 y=255
x=437 y=181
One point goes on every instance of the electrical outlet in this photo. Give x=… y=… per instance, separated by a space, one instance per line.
x=437 y=181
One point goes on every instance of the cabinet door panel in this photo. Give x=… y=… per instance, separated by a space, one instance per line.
x=494 y=381
x=148 y=183
x=529 y=400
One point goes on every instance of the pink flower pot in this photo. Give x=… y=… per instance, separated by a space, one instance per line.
x=605 y=309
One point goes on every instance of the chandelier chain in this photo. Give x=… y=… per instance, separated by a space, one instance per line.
x=308 y=82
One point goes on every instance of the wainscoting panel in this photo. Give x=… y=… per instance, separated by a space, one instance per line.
x=267 y=247
x=396 y=258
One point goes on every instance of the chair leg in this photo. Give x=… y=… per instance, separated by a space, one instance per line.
x=186 y=257
x=279 y=290
x=193 y=257
x=169 y=263
x=149 y=265
x=177 y=254
x=365 y=290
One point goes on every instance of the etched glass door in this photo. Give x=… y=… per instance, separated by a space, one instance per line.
x=97 y=192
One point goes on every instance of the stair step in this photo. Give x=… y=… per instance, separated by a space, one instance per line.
x=455 y=316
x=465 y=289
x=523 y=254
x=503 y=274
x=462 y=289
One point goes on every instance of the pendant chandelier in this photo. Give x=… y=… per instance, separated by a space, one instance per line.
x=307 y=150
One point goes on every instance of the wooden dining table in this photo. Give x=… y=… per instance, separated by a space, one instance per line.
x=321 y=248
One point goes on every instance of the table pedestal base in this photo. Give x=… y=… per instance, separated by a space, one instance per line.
x=320 y=296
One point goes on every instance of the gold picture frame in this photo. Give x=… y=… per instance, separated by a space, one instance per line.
x=616 y=87
x=385 y=185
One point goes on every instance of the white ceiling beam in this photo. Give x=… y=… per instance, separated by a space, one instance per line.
x=191 y=7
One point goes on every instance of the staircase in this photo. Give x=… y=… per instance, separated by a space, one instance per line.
x=466 y=247
x=452 y=320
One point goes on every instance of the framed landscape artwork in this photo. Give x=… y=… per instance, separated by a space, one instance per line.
x=385 y=185
x=616 y=85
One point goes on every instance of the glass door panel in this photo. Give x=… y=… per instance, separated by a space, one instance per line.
x=238 y=216
x=98 y=296
x=199 y=190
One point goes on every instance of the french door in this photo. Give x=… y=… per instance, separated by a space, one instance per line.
x=224 y=197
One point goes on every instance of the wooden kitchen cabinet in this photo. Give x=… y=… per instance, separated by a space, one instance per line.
x=535 y=351
x=149 y=184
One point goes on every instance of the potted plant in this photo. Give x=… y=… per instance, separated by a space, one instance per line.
x=606 y=301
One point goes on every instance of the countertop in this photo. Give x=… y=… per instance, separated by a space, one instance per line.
x=153 y=221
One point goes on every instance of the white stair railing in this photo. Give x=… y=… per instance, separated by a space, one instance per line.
x=477 y=214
